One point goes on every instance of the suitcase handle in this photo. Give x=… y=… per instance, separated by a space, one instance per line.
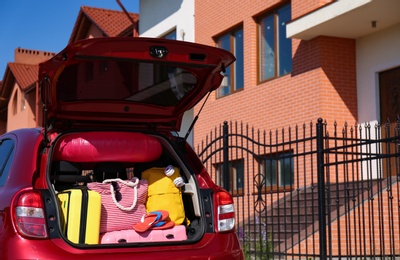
x=132 y=184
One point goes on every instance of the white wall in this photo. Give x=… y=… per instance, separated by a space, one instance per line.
x=375 y=53
x=159 y=17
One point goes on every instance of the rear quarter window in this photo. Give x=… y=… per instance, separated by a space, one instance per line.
x=6 y=155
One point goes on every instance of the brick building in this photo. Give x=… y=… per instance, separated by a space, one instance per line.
x=20 y=104
x=321 y=80
x=298 y=61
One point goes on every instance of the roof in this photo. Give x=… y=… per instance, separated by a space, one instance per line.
x=24 y=74
x=111 y=22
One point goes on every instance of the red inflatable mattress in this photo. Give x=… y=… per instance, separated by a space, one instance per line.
x=107 y=146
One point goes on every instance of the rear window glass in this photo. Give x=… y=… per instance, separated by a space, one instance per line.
x=150 y=83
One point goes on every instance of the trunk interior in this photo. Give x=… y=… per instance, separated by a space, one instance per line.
x=158 y=196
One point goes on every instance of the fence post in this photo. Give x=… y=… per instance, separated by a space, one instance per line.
x=225 y=166
x=321 y=190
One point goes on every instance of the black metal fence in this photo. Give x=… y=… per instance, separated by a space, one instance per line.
x=311 y=191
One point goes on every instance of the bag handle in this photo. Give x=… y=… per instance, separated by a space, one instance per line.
x=126 y=183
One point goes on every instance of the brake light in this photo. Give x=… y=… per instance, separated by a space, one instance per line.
x=225 y=211
x=29 y=215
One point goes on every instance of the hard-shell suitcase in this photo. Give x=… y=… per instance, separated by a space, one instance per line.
x=177 y=233
x=80 y=215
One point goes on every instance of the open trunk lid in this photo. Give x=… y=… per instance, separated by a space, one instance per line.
x=143 y=82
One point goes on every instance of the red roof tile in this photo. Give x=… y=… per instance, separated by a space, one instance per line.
x=24 y=74
x=111 y=22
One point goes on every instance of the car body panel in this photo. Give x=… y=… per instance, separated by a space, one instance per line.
x=27 y=142
x=224 y=246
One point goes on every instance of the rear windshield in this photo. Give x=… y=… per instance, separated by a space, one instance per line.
x=158 y=84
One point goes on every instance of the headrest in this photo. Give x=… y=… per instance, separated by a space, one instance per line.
x=107 y=146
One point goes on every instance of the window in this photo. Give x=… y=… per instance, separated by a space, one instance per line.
x=235 y=177
x=277 y=170
x=15 y=103
x=275 y=57
x=23 y=105
x=170 y=35
x=6 y=155
x=234 y=75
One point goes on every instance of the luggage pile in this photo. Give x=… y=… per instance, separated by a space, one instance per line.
x=107 y=206
x=118 y=211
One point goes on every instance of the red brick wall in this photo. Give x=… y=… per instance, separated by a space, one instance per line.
x=322 y=84
x=303 y=7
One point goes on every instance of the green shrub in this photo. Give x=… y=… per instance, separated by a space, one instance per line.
x=256 y=246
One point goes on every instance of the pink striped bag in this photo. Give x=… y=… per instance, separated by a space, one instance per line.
x=122 y=202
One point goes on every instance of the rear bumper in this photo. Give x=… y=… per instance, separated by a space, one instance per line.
x=212 y=246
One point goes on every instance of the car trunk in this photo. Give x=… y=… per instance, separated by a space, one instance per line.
x=110 y=106
x=82 y=160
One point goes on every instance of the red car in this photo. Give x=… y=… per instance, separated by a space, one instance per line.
x=112 y=109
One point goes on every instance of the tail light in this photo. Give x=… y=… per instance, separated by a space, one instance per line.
x=225 y=211
x=29 y=215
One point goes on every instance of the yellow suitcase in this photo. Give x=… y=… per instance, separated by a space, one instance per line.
x=80 y=217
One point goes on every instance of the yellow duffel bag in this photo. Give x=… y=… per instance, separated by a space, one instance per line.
x=164 y=192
